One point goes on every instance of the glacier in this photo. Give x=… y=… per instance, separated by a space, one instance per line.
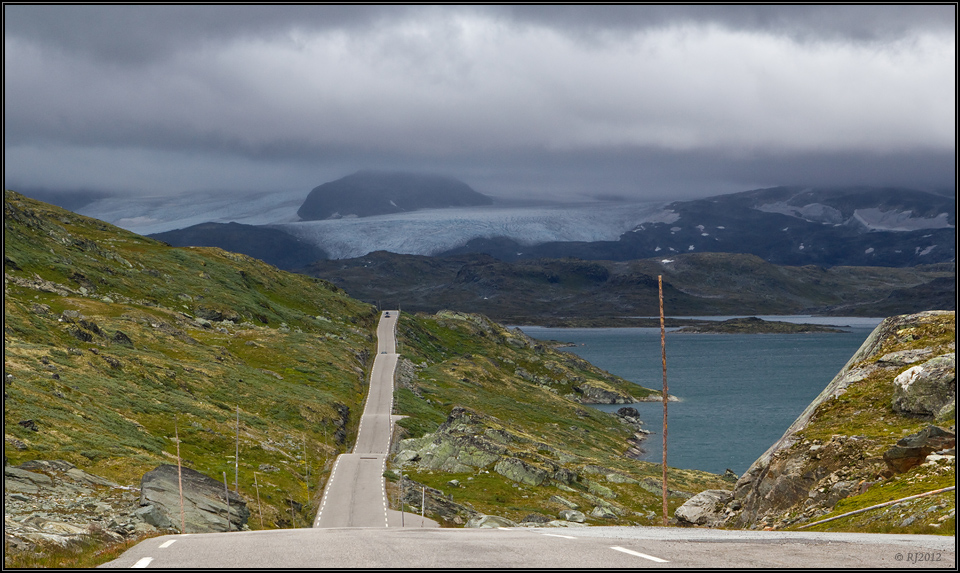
x=424 y=232
x=432 y=231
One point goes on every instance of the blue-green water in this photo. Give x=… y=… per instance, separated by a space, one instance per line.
x=738 y=392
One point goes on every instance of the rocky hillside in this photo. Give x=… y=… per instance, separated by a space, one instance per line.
x=882 y=430
x=367 y=193
x=566 y=291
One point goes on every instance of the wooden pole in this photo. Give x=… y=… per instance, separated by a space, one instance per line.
x=259 y=510
x=236 y=457
x=307 y=464
x=663 y=353
x=226 y=494
x=183 y=524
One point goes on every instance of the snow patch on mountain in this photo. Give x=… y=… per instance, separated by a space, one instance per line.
x=877 y=220
x=872 y=219
x=814 y=212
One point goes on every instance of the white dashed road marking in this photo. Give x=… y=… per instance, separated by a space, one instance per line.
x=168 y=543
x=555 y=535
x=142 y=564
x=638 y=554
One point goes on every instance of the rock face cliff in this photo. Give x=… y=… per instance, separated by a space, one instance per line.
x=877 y=422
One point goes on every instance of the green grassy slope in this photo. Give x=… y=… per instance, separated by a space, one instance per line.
x=111 y=338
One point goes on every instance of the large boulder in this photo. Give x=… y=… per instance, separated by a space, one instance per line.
x=204 y=507
x=912 y=450
x=705 y=508
x=572 y=515
x=490 y=521
x=928 y=388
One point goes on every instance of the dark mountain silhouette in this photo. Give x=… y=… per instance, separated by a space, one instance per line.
x=278 y=248
x=368 y=193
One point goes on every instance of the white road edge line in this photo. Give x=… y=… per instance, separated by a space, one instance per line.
x=166 y=544
x=638 y=554
x=142 y=564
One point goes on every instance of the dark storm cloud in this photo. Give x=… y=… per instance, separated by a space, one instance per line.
x=633 y=100
x=859 y=23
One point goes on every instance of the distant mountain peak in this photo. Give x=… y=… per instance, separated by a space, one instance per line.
x=372 y=192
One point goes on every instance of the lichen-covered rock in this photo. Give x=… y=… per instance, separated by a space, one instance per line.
x=520 y=471
x=204 y=506
x=572 y=515
x=926 y=389
x=705 y=508
x=54 y=502
x=489 y=521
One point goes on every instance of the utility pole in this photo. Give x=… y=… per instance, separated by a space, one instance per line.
x=663 y=352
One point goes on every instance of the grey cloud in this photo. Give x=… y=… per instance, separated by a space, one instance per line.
x=660 y=101
x=802 y=22
x=139 y=34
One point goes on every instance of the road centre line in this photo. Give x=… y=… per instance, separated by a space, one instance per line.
x=555 y=535
x=638 y=554
x=142 y=564
x=167 y=543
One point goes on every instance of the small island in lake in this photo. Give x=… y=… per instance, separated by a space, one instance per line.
x=754 y=325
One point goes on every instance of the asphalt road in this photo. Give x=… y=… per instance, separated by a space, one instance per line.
x=587 y=547
x=355 y=495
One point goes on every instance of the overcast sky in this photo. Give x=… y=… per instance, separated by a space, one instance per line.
x=653 y=102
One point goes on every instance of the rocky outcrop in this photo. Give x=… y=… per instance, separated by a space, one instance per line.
x=589 y=394
x=913 y=450
x=55 y=503
x=798 y=479
x=436 y=504
x=204 y=505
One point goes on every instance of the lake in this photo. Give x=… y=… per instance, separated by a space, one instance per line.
x=739 y=392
